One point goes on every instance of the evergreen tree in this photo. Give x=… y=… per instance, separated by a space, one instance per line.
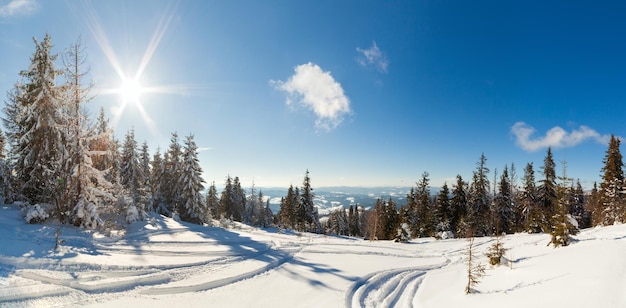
x=239 y=200
x=531 y=212
x=133 y=179
x=353 y=220
x=226 y=207
x=41 y=149
x=425 y=225
x=561 y=227
x=459 y=208
x=212 y=200
x=157 y=183
x=478 y=201
x=172 y=174
x=612 y=186
x=89 y=193
x=546 y=196
x=251 y=213
x=311 y=216
x=583 y=218
x=593 y=206
x=409 y=212
x=144 y=162
x=193 y=208
x=504 y=213
x=286 y=214
x=442 y=210
x=11 y=110
x=299 y=211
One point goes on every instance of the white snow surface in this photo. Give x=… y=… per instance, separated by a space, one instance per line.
x=162 y=262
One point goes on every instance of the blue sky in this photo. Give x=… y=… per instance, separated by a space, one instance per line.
x=361 y=93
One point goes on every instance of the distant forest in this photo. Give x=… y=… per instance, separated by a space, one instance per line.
x=56 y=163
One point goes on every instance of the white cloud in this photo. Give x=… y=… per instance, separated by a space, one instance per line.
x=203 y=149
x=556 y=137
x=373 y=57
x=318 y=91
x=18 y=7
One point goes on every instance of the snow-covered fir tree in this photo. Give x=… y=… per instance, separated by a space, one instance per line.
x=89 y=193
x=133 y=179
x=612 y=187
x=41 y=148
x=193 y=207
x=212 y=200
x=157 y=199
x=172 y=172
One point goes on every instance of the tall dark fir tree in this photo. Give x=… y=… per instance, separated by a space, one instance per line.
x=612 y=186
x=547 y=192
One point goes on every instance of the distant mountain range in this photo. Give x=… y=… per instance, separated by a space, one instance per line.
x=331 y=198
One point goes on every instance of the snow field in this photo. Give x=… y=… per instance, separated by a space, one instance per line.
x=164 y=263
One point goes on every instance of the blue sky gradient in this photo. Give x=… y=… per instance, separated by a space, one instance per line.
x=362 y=93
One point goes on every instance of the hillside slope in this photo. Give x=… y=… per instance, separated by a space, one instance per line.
x=164 y=263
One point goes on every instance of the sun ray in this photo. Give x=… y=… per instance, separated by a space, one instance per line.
x=162 y=27
x=130 y=89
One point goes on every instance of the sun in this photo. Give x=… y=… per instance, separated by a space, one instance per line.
x=130 y=91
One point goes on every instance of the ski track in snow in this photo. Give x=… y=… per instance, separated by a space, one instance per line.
x=93 y=280
x=389 y=288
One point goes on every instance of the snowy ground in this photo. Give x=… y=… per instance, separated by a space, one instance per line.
x=165 y=263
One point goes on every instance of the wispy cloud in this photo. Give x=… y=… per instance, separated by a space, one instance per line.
x=555 y=137
x=204 y=149
x=373 y=57
x=18 y=8
x=318 y=91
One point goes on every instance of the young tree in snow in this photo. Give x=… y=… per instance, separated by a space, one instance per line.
x=475 y=270
x=561 y=226
x=193 y=208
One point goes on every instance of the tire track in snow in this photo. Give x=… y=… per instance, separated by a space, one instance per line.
x=388 y=286
x=279 y=261
x=114 y=285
